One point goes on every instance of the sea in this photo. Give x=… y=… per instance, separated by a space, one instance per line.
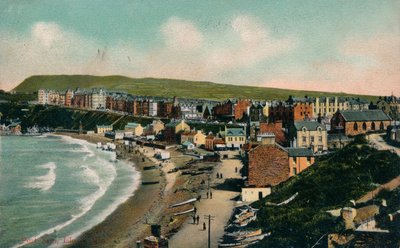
x=54 y=188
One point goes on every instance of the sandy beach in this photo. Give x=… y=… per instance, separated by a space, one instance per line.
x=130 y=221
x=150 y=204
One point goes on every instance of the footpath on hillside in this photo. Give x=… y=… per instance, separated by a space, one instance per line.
x=377 y=141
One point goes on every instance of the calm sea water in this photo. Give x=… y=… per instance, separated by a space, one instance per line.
x=57 y=186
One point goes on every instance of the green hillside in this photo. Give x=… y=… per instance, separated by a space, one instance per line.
x=329 y=184
x=65 y=118
x=164 y=87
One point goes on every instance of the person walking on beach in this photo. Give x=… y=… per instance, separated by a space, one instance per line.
x=207 y=194
x=198 y=219
x=194 y=219
x=204 y=226
x=195 y=211
x=217 y=175
x=210 y=194
x=220 y=175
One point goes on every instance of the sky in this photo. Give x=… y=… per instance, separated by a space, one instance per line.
x=326 y=45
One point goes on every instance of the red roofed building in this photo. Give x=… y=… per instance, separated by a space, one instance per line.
x=240 y=108
x=275 y=128
x=271 y=164
x=268 y=166
x=214 y=143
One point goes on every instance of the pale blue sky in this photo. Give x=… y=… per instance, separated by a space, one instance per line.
x=344 y=45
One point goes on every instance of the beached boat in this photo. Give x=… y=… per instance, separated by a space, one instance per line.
x=244 y=216
x=150 y=182
x=183 y=203
x=246 y=242
x=152 y=167
x=99 y=145
x=240 y=235
x=245 y=222
x=184 y=212
x=255 y=238
x=237 y=245
x=192 y=172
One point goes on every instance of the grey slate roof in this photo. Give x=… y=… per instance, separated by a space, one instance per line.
x=365 y=115
x=234 y=132
x=299 y=152
x=310 y=125
x=132 y=125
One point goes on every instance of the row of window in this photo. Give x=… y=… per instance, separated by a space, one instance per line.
x=236 y=139
x=364 y=126
x=312 y=139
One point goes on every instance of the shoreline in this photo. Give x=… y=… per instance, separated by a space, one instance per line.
x=127 y=223
x=151 y=203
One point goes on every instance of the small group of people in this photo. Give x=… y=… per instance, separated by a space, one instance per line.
x=219 y=175
x=196 y=219
x=209 y=194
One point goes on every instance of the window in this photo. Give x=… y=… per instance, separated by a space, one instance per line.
x=355 y=127
x=320 y=139
x=381 y=126
x=304 y=139
x=364 y=126
x=294 y=171
x=373 y=126
x=312 y=138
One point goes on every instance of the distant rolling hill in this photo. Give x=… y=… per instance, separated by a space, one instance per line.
x=165 y=87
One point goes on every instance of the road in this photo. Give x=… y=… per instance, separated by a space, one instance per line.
x=220 y=206
x=379 y=143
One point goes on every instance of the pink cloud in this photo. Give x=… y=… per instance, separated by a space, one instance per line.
x=366 y=66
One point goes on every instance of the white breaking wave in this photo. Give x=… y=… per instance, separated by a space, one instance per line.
x=90 y=175
x=45 y=182
x=83 y=143
x=127 y=192
x=102 y=184
x=88 y=202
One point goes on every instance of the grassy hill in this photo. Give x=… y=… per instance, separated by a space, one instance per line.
x=329 y=184
x=165 y=87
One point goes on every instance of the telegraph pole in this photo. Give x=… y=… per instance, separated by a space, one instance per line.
x=209 y=218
